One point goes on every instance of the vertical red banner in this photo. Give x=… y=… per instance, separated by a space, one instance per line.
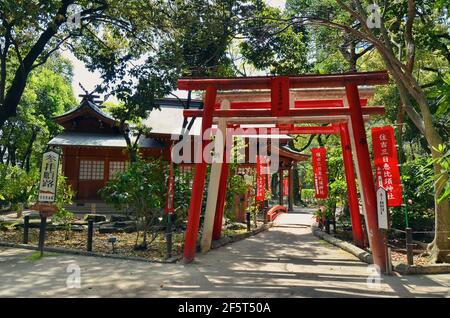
x=280 y=95
x=319 y=163
x=286 y=186
x=386 y=163
x=260 y=179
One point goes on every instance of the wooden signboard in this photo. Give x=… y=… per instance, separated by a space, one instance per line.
x=48 y=184
x=49 y=177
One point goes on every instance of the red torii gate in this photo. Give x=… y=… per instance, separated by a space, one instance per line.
x=340 y=129
x=281 y=111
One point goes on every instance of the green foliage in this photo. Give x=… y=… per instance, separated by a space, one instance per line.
x=36 y=256
x=308 y=194
x=237 y=185
x=253 y=208
x=182 y=194
x=48 y=93
x=418 y=195
x=271 y=45
x=64 y=195
x=16 y=185
x=65 y=218
x=141 y=189
x=442 y=180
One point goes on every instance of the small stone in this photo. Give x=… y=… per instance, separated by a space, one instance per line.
x=33 y=214
x=95 y=217
x=119 y=218
x=109 y=229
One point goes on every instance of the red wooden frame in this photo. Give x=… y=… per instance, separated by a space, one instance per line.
x=306 y=81
x=297 y=112
x=279 y=87
x=308 y=103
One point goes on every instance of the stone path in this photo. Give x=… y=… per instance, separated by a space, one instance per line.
x=286 y=261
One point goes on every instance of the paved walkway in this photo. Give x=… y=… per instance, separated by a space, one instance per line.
x=286 y=261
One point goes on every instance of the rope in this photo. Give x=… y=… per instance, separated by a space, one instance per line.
x=418 y=232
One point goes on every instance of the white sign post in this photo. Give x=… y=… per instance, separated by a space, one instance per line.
x=382 y=208
x=47 y=192
x=383 y=223
x=49 y=177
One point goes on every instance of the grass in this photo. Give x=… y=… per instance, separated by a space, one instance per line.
x=37 y=256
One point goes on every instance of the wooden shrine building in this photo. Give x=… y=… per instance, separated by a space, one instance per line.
x=94 y=148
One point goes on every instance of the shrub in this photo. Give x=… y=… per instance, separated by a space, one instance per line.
x=64 y=195
x=142 y=190
x=420 y=192
x=18 y=186
x=308 y=195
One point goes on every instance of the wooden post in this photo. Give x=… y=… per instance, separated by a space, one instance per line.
x=42 y=228
x=26 y=227
x=90 y=234
x=280 y=186
x=365 y=176
x=291 y=190
x=214 y=182
x=170 y=220
x=198 y=183
x=355 y=217
x=217 y=232
x=409 y=246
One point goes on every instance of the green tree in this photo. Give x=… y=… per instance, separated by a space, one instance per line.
x=271 y=46
x=31 y=31
x=64 y=196
x=407 y=30
x=49 y=93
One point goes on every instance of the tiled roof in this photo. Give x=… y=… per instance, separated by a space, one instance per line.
x=99 y=140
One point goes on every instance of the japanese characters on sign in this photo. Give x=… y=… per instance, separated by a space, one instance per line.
x=319 y=163
x=386 y=163
x=49 y=177
x=260 y=178
x=280 y=96
x=382 y=209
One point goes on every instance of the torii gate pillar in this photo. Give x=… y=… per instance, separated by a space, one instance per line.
x=365 y=176
x=198 y=183
x=358 y=235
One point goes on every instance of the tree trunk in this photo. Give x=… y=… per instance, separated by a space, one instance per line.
x=12 y=155
x=132 y=152
x=400 y=122
x=275 y=186
x=27 y=155
x=440 y=247
x=15 y=91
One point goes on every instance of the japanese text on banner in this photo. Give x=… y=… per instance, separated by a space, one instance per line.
x=386 y=163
